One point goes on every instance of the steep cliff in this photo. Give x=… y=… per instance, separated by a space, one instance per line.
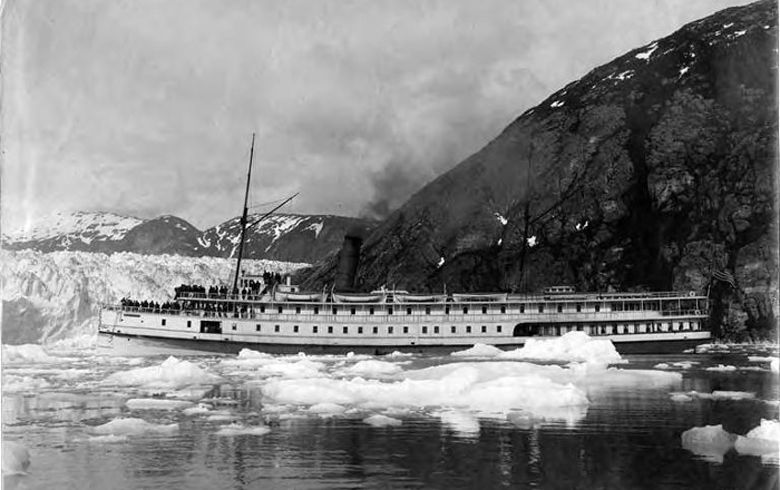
x=652 y=172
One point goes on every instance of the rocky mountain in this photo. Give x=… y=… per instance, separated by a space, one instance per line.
x=652 y=172
x=286 y=237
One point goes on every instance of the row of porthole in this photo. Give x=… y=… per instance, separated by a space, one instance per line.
x=375 y=330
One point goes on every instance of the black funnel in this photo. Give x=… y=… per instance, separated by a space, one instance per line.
x=349 y=258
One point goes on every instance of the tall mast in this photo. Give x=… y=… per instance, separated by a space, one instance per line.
x=244 y=216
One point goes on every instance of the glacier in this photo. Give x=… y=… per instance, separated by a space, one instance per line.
x=57 y=295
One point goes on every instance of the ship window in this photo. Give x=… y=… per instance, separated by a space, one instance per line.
x=598 y=307
x=498 y=328
x=390 y=310
x=295 y=328
x=189 y=323
x=276 y=328
x=484 y=329
x=162 y=322
x=446 y=310
x=314 y=329
x=376 y=330
x=453 y=329
x=297 y=309
x=436 y=329
x=579 y=307
x=390 y=330
x=427 y=310
x=484 y=310
x=234 y=326
x=541 y=308
x=371 y=311
x=345 y=330
x=468 y=328
x=522 y=308
x=408 y=311
x=424 y=329
x=281 y=309
x=257 y=327
x=262 y=309
x=316 y=310
x=330 y=329
x=352 y=311
x=465 y=310
x=560 y=308
x=503 y=309
x=406 y=329
x=579 y=328
x=360 y=329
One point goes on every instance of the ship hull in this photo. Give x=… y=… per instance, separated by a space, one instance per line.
x=121 y=344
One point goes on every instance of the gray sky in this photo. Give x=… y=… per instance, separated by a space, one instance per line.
x=147 y=107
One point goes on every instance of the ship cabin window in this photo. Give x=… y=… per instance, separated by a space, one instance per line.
x=371 y=310
x=295 y=328
x=352 y=311
x=680 y=326
x=189 y=323
x=468 y=328
x=498 y=329
x=427 y=310
x=406 y=329
x=316 y=310
x=560 y=308
x=424 y=329
x=162 y=322
x=579 y=328
x=465 y=310
x=390 y=330
x=335 y=310
x=484 y=310
x=522 y=308
x=375 y=330
x=453 y=329
x=446 y=310
x=484 y=329
x=281 y=309
x=297 y=309
x=503 y=310
x=541 y=308
x=257 y=327
x=234 y=326
x=408 y=311
x=579 y=307
x=360 y=330
x=330 y=329
x=390 y=310
x=276 y=328
x=314 y=329
x=436 y=329
x=345 y=330
x=262 y=309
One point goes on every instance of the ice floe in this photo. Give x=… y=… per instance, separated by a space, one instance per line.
x=157 y=404
x=243 y=430
x=26 y=353
x=372 y=368
x=479 y=350
x=710 y=442
x=132 y=426
x=573 y=346
x=722 y=368
x=380 y=420
x=715 y=395
x=172 y=374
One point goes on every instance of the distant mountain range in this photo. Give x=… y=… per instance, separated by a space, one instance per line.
x=283 y=237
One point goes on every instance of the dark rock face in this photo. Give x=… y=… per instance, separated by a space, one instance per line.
x=650 y=173
x=163 y=235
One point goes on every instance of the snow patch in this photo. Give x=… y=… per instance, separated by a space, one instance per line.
x=531 y=241
x=645 y=55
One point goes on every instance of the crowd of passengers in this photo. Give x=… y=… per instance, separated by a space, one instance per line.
x=252 y=288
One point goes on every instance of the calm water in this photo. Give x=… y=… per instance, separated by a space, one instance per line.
x=628 y=436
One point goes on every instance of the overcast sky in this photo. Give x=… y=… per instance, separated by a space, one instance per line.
x=147 y=107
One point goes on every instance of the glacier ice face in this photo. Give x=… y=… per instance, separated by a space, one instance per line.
x=57 y=295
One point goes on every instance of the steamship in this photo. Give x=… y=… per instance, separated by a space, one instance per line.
x=266 y=314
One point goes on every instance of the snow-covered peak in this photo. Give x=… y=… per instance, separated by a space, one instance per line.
x=84 y=226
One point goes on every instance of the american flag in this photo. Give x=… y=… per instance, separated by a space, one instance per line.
x=725 y=277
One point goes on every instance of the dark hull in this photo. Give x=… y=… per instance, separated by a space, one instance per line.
x=118 y=343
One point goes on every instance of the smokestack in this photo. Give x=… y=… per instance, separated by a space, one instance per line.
x=349 y=258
